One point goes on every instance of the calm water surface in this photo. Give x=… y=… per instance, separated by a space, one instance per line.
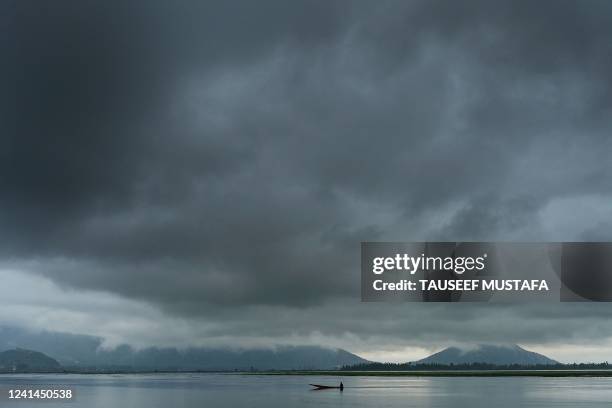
x=234 y=390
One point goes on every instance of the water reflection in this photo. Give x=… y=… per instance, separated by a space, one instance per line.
x=232 y=390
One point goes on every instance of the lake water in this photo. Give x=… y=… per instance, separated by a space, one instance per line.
x=234 y=390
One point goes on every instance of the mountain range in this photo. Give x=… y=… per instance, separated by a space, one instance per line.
x=86 y=352
x=81 y=352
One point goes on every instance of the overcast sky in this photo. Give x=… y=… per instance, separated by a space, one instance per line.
x=202 y=173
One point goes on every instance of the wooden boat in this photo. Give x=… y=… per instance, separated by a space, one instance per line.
x=325 y=387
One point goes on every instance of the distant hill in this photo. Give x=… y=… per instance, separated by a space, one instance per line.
x=21 y=360
x=486 y=353
x=80 y=351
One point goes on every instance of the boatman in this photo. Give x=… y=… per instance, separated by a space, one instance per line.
x=341 y=386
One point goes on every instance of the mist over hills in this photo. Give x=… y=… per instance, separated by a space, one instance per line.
x=80 y=351
x=488 y=353
x=86 y=352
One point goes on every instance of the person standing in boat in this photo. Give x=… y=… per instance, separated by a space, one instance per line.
x=341 y=386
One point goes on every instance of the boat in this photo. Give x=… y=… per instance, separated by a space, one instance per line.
x=326 y=387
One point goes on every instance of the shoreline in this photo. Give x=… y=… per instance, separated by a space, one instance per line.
x=455 y=373
x=430 y=373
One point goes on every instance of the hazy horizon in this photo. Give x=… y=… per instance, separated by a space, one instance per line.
x=401 y=357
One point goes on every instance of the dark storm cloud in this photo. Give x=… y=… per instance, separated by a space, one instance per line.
x=236 y=153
